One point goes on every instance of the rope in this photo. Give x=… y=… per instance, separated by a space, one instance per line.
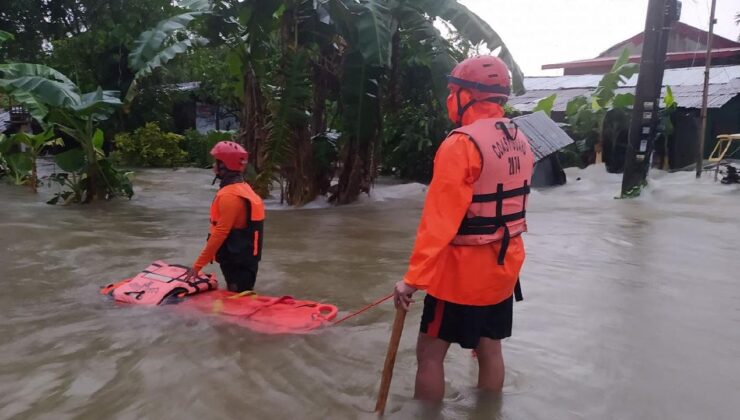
x=376 y=303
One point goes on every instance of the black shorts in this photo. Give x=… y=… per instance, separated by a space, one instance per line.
x=466 y=324
x=239 y=277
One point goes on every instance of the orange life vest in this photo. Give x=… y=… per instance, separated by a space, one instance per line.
x=159 y=282
x=242 y=244
x=497 y=212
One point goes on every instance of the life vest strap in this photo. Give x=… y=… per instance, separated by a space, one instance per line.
x=487 y=198
x=479 y=225
x=491 y=222
x=201 y=280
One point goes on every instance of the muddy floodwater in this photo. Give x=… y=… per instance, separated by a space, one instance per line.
x=631 y=310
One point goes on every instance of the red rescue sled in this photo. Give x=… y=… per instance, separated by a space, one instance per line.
x=161 y=283
x=265 y=314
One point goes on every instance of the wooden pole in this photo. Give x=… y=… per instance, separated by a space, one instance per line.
x=703 y=133
x=390 y=361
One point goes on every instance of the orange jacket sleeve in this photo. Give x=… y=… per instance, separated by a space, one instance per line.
x=229 y=209
x=457 y=166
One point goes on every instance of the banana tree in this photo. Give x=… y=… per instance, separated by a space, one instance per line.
x=588 y=115
x=271 y=56
x=338 y=52
x=57 y=103
x=373 y=30
x=418 y=16
x=22 y=162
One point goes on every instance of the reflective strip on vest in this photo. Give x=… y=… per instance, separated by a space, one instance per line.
x=498 y=209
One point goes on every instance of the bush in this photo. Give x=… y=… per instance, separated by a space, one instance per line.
x=150 y=146
x=198 y=146
x=411 y=139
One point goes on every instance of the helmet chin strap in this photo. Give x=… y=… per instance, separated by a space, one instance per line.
x=462 y=108
x=220 y=172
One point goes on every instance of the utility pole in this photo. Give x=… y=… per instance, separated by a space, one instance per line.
x=645 y=114
x=703 y=132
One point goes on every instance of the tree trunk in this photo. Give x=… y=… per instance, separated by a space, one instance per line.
x=322 y=174
x=251 y=128
x=355 y=177
x=300 y=173
x=301 y=186
x=394 y=95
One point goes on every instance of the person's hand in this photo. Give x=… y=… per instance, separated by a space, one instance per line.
x=190 y=275
x=402 y=295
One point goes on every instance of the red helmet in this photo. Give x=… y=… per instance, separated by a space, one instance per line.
x=231 y=154
x=485 y=76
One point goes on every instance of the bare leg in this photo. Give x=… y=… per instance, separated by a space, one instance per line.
x=490 y=365
x=430 y=375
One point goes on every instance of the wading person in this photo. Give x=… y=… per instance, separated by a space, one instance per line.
x=468 y=250
x=237 y=217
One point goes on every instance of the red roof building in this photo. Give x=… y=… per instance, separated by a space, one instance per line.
x=687 y=47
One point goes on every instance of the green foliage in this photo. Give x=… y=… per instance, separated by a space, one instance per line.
x=288 y=104
x=301 y=69
x=22 y=163
x=474 y=29
x=6 y=36
x=621 y=71
x=157 y=46
x=19 y=153
x=665 y=125
x=587 y=117
x=219 y=71
x=635 y=191
x=149 y=146
x=546 y=104
x=198 y=146
x=411 y=140
x=59 y=105
x=411 y=135
x=13 y=162
x=325 y=154
x=40 y=87
x=373 y=23
x=511 y=112
x=88 y=173
x=77 y=186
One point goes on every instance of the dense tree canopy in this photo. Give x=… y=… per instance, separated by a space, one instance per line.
x=325 y=89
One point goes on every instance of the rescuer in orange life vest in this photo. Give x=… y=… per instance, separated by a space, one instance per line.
x=469 y=250
x=237 y=217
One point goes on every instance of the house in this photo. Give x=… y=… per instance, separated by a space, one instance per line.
x=684 y=75
x=192 y=112
x=687 y=47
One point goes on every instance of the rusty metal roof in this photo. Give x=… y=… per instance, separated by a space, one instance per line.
x=686 y=84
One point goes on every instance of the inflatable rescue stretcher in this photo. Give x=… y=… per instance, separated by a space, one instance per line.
x=161 y=283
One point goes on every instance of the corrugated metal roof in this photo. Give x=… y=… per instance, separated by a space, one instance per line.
x=4 y=121
x=545 y=136
x=671 y=77
x=686 y=84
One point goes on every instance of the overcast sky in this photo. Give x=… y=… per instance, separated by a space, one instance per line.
x=545 y=31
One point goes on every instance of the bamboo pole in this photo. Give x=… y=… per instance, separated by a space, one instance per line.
x=390 y=361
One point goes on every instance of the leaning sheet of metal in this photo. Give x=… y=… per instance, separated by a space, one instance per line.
x=545 y=136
